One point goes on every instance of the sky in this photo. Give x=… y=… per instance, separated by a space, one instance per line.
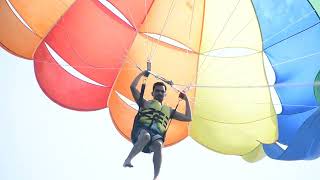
x=40 y=140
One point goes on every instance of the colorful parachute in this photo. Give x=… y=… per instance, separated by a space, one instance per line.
x=218 y=50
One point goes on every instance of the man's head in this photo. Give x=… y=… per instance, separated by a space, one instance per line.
x=159 y=91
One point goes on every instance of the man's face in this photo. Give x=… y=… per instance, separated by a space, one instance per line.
x=159 y=93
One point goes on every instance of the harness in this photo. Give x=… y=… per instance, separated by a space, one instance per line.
x=155 y=116
x=147 y=112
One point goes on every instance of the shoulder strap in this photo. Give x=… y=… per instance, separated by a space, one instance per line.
x=143 y=86
x=140 y=101
x=172 y=114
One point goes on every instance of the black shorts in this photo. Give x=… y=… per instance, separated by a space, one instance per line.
x=153 y=134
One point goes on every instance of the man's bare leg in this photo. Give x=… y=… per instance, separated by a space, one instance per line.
x=143 y=139
x=156 y=147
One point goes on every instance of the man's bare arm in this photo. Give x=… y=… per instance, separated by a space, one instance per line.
x=133 y=87
x=187 y=115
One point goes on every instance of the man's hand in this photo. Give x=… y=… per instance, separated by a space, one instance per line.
x=183 y=96
x=187 y=115
x=146 y=73
x=133 y=87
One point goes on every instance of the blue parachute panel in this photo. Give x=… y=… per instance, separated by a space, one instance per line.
x=305 y=145
x=282 y=19
x=296 y=66
x=291 y=31
x=289 y=125
x=284 y=25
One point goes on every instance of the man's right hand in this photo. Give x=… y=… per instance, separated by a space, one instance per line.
x=146 y=73
x=182 y=96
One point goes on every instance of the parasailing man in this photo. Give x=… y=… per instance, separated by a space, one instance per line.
x=151 y=122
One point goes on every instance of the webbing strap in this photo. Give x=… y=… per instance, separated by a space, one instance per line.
x=170 y=118
x=140 y=100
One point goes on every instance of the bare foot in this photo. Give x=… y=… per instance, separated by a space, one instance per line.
x=127 y=164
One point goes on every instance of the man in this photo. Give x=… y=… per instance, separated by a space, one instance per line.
x=148 y=135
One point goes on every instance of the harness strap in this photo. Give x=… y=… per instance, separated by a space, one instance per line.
x=171 y=116
x=140 y=102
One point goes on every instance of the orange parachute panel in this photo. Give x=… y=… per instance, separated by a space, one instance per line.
x=179 y=20
x=41 y=15
x=14 y=36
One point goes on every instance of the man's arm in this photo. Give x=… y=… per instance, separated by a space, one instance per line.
x=187 y=115
x=133 y=87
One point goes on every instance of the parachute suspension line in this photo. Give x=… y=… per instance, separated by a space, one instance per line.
x=146 y=44
x=92 y=67
x=206 y=54
x=140 y=103
x=248 y=122
x=290 y=25
x=288 y=61
x=169 y=82
x=258 y=103
x=292 y=36
x=67 y=40
x=243 y=28
x=132 y=20
x=284 y=62
x=154 y=45
x=279 y=85
x=82 y=59
x=190 y=25
x=191 y=20
x=275 y=34
x=172 y=114
x=222 y=30
x=285 y=28
x=136 y=28
x=88 y=66
x=296 y=59
x=75 y=66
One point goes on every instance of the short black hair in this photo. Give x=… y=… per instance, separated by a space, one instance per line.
x=159 y=84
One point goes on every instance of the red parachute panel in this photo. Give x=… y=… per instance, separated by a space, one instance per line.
x=65 y=89
x=92 y=41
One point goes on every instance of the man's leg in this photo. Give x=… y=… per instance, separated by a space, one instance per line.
x=156 y=147
x=143 y=139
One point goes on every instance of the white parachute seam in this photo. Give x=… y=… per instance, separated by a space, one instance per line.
x=70 y=69
x=15 y=12
x=127 y=101
x=116 y=12
x=168 y=40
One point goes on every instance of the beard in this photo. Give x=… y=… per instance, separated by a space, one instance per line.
x=159 y=98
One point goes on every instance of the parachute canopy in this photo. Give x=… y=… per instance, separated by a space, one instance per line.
x=250 y=68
